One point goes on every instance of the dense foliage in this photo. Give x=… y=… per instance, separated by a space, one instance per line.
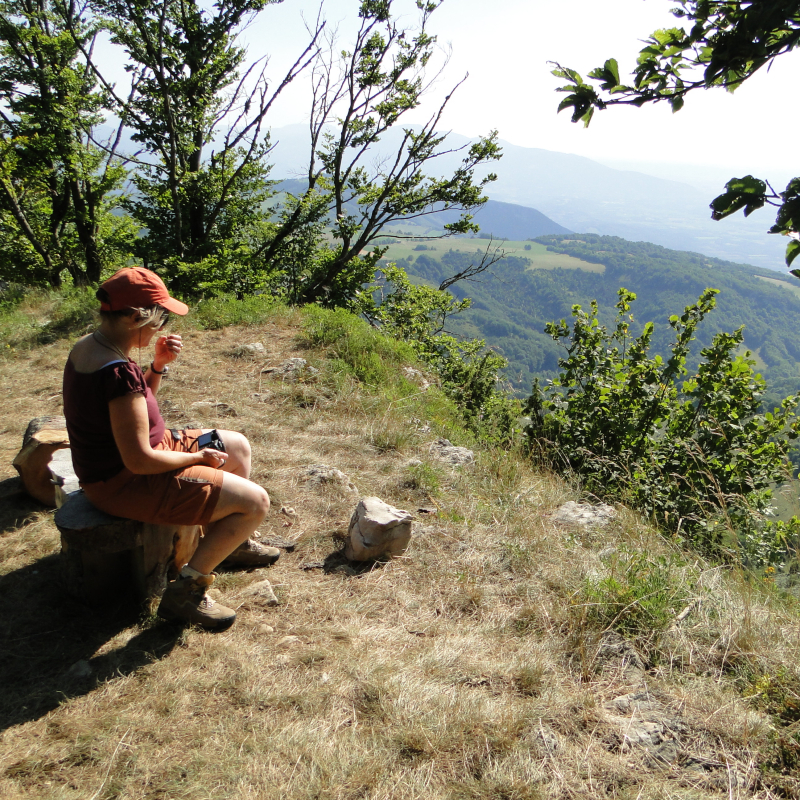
x=691 y=450
x=204 y=212
x=722 y=44
x=511 y=309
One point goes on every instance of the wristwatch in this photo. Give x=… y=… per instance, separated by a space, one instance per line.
x=156 y=372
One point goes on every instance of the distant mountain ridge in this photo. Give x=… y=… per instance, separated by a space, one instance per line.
x=582 y=195
x=497 y=219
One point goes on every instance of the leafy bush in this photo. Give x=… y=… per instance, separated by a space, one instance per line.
x=217 y=312
x=694 y=453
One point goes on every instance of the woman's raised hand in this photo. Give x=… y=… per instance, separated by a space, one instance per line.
x=167 y=349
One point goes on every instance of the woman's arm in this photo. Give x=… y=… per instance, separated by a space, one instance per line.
x=131 y=429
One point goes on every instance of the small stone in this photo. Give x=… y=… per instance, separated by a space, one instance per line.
x=79 y=670
x=262 y=397
x=264 y=629
x=291 y=370
x=415 y=376
x=445 y=450
x=287 y=641
x=319 y=474
x=584 y=515
x=250 y=350
x=548 y=739
x=263 y=592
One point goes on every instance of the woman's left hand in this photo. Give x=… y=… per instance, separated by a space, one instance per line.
x=167 y=349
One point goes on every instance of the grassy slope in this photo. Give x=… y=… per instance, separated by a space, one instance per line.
x=484 y=664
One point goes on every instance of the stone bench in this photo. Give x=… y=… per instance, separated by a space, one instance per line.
x=105 y=560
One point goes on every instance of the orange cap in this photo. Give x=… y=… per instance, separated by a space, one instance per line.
x=137 y=287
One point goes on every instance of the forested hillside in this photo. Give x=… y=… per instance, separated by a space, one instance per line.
x=512 y=304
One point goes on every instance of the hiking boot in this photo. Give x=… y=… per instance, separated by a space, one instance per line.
x=185 y=600
x=252 y=554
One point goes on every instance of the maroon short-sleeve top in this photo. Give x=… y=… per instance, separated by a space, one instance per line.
x=95 y=455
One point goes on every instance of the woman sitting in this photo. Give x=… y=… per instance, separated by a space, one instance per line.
x=131 y=466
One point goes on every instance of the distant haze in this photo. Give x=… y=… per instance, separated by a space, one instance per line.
x=585 y=196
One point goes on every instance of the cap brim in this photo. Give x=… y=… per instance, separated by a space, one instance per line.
x=175 y=306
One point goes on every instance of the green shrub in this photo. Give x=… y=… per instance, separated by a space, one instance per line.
x=374 y=358
x=692 y=452
x=218 y=312
x=638 y=595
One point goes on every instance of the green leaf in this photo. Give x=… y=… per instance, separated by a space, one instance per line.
x=746 y=193
x=792 y=251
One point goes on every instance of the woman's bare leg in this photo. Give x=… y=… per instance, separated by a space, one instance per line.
x=241 y=508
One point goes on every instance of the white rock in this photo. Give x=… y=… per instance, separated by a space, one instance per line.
x=292 y=369
x=445 y=450
x=252 y=350
x=287 y=641
x=265 y=629
x=377 y=529
x=584 y=515
x=318 y=474
x=263 y=592
x=415 y=376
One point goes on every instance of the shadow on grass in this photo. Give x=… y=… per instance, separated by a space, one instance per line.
x=44 y=635
x=16 y=506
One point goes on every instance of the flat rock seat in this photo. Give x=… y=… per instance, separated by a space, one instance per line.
x=107 y=560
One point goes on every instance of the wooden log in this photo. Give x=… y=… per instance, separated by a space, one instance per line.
x=110 y=560
x=44 y=463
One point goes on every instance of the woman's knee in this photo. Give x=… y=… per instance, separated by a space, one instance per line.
x=236 y=443
x=262 y=503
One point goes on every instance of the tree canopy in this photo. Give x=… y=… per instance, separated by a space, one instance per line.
x=721 y=43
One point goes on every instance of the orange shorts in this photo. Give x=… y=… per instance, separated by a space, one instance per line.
x=182 y=497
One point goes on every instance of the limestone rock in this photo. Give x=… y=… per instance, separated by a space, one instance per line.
x=291 y=370
x=252 y=350
x=415 y=376
x=321 y=474
x=262 y=592
x=584 y=515
x=377 y=529
x=445 y=450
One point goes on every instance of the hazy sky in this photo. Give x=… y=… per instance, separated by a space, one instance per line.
x=505 y=45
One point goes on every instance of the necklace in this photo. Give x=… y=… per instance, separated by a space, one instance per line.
x=109 y=346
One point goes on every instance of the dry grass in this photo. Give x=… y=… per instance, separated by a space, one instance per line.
x=470 y=669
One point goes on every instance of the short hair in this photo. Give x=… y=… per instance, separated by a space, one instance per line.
x=154 y=316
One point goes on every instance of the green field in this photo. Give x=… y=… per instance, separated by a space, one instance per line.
x=539 y=255
x=790 y=286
